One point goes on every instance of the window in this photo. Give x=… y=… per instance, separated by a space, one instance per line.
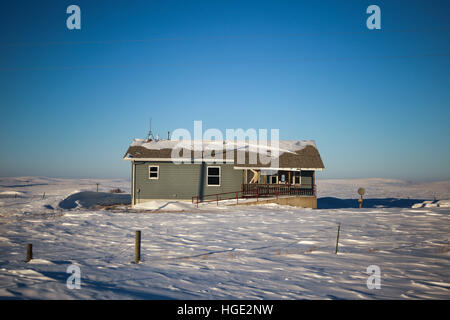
x=296 y=179
x=213 y=176
x=274 y=179
x=307 y=179
x=153 y=172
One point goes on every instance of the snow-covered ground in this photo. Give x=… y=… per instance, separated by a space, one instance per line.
x=218 y=252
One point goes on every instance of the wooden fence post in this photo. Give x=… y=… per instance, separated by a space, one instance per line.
x=29 y=252
x=137 y=247
x=337 y=239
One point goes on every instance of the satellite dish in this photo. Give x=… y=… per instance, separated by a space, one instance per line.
x=361 y=191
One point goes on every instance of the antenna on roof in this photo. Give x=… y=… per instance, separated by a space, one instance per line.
x=150 y=134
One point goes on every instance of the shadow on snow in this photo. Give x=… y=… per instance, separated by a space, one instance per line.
x=337 y=203
x=89 y=199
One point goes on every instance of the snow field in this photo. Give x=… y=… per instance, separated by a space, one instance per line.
x=248 y=252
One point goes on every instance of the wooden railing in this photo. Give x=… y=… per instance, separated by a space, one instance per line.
x=270 y=190
x=257 y=191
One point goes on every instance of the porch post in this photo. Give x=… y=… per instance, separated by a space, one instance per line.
x=133 y=183
x=314 y=183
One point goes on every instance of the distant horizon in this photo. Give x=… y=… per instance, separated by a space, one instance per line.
x=318 y=178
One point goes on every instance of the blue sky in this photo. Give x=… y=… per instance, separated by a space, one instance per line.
x=376 y=102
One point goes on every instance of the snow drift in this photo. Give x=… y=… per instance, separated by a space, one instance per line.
x=90 y=199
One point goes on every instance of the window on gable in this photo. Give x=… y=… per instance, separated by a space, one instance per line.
x=153 y=172
x=213 y=176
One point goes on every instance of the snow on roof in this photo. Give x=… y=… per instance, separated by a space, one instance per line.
x=289 y=146
x=289 y=153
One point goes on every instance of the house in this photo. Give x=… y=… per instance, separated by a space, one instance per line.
x=208 y=172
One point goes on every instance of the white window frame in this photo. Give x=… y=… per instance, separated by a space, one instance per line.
x=207 y=176
x=271 y=179
x=299 y=179
x=157 y=172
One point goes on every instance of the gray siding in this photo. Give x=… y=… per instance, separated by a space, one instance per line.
x=182 y=181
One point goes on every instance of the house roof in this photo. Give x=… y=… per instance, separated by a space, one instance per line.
x=291 y=154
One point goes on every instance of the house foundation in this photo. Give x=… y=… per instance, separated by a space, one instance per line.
x=303 y=202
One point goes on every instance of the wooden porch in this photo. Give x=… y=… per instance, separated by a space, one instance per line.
x=257 y=190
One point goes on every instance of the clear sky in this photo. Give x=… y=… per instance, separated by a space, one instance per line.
x=375 y=101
